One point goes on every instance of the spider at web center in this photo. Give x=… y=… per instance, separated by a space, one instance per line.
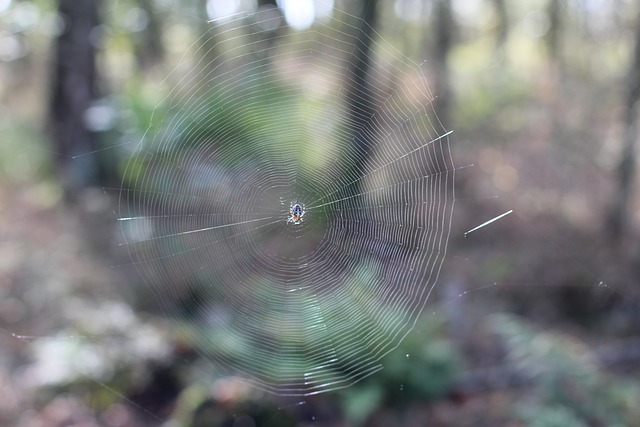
x=296 y=212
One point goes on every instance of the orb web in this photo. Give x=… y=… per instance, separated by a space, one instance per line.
x=253 y=127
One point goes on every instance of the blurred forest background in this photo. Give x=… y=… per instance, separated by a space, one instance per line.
x=535 y=320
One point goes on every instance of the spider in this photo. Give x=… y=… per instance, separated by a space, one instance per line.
x=296 y=213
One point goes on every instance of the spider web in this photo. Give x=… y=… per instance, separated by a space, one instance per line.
x=253 y=125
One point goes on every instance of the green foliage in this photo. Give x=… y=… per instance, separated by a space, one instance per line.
x=255 y=121
x=550 y=416
x=24 y=154
x=490 y=103
x=421 y=369
x=571 y=388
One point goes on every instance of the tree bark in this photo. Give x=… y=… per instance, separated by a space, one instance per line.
x=359 y=102
x=619 y=217
x=443 y=42
x=552 y=38
x=502 y=33
x=270 y=23
x=73 y=90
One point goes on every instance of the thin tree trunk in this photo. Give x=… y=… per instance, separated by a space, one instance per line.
x=73 y=90
x=502 y=33
x=359 y=98
x=619 y=218
x=552 y=38
x=270 y=23
x=443 y=42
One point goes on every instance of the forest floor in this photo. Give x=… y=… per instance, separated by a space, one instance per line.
x=57 y=280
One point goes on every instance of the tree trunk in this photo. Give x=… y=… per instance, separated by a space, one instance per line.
x=359 y=102
x=443 y=42
x=270 y=21
x=502 y=31
x=619 y=217
x=552 y=38
x=73 y=90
